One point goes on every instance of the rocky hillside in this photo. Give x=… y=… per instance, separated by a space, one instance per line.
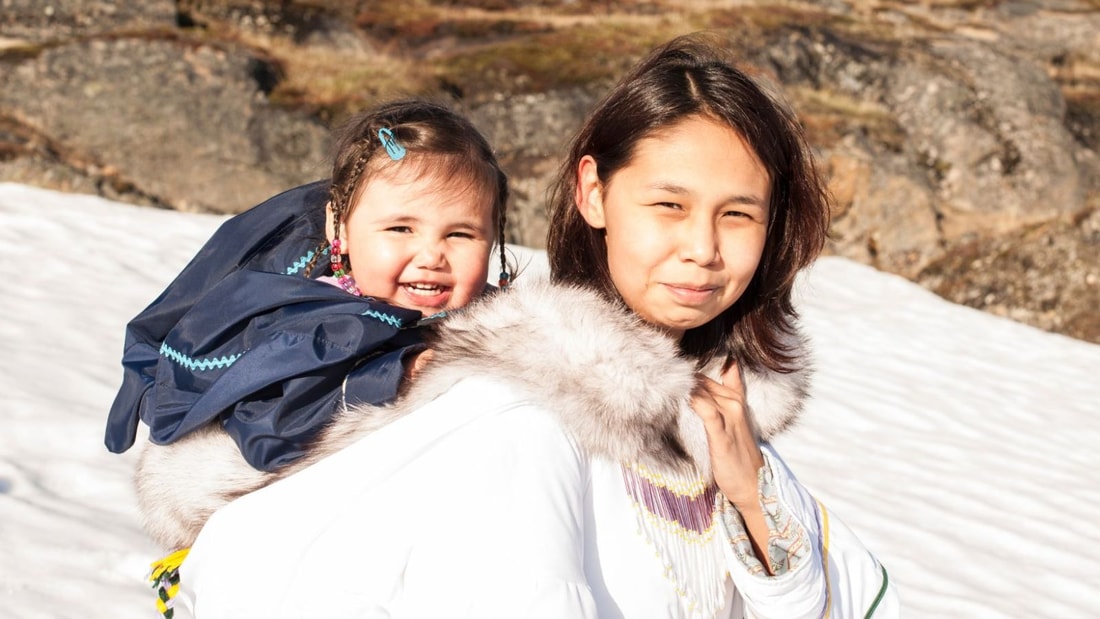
x=961 y=137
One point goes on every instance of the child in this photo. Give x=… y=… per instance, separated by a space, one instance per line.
x=261 y=336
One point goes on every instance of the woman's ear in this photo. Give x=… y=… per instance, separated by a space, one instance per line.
x=589 y=196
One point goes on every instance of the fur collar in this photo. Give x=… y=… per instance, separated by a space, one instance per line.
x=618 y=386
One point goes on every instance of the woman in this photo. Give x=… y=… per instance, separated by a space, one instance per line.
x=586 y=448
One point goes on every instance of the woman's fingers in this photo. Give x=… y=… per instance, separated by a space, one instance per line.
x=735 y=455
x=720 y=401
x=731 y=379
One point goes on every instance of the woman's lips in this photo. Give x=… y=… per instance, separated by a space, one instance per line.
x=691 y=294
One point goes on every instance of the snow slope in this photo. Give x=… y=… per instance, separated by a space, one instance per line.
x=962 y=447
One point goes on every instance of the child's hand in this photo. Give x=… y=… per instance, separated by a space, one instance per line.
x=415 y=362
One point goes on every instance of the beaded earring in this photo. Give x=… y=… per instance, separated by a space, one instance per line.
x=336 y=260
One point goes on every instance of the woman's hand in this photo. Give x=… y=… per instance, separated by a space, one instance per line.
x=734 y=454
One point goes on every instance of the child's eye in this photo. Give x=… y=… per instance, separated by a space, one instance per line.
x=672 y=205
x=461 y=235
x=403 y=229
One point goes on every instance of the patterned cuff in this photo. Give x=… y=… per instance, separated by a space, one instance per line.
x=788 y=543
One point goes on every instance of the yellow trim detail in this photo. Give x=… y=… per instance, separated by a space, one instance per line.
x=685 y=488
x=825 y=557
x=171 y=562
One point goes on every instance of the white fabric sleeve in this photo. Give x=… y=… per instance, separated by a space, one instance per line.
x=838 y=578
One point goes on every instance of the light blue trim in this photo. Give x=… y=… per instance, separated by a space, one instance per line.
x=301 y=263
x=427 y=320
x=393 y=321
x=197 y=364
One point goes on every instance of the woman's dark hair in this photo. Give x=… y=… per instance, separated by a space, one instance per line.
x=691 y=78
x=438 y=141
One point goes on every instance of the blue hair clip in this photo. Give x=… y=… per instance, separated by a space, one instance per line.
x=395 y=150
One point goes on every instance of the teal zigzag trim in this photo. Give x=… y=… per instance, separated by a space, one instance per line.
x=301 y=263
x=393 y=321
x=197 y=364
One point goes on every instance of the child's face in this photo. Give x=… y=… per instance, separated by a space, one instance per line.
x=685 y=222
x=419 y=242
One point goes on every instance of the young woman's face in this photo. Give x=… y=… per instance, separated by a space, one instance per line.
x=420 y=243
x=685 y=222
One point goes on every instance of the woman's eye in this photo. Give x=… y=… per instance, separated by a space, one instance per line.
x=402 y=229
x=673 y=205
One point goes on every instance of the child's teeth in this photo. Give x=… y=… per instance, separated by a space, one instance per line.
x=422 y=288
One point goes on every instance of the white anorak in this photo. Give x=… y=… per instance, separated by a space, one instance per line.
x=499 y=491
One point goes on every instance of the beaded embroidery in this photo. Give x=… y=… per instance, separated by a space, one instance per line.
x=676 y=517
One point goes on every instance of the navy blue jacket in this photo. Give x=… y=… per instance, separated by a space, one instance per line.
x=242 y=338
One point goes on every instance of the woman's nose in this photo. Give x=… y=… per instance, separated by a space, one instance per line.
x=698 y=241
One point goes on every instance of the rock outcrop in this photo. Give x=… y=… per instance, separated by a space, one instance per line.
x=960 y=139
